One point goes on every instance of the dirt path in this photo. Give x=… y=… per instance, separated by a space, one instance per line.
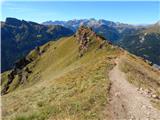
x=126 y=103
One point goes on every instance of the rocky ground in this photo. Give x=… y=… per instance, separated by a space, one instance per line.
x=127 y=102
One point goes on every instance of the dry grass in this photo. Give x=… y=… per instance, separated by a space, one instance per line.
x=63 y=86
x=142 y=75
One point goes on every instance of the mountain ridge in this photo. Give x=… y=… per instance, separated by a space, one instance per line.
x=144 y=43
x=130 y=37
x=112 y=31
x=20 y=36
x=69 y=79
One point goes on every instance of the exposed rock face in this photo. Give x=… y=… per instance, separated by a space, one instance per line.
x=83 y=39
x=85 y=36
x=21 y=63
x=19 y=70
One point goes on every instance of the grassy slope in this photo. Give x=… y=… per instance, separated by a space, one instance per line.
x=141 y=75
x=67 y=86
x=64 y=86
x=153 y=29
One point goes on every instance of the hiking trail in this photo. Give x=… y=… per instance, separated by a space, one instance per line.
x=126 y=103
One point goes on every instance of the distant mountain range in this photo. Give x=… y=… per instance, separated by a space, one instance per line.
x=140 y=40
x=77 y=78
x=113 y=31
x=19 y=37
x=145 y=43
x=74 y=24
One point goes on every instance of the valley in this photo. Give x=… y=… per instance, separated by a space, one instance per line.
x=141 y=40
x=19 y=37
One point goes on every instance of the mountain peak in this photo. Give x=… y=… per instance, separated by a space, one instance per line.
x=13 y=21
x=85 y=37
x=85 y=31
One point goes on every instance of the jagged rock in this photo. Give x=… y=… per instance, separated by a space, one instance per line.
x=148 y=93
x=45 y=48
x=11 y=76
x=37 y=49
x=84 y=36
x=27 y=70
x=4 y=90
x=20 y=70
x=22 y=63
x=102 y=44
x=23 y=77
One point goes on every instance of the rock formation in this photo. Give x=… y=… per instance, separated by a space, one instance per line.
x=85 y=36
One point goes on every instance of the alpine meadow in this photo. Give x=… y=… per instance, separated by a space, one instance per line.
x=80 y=60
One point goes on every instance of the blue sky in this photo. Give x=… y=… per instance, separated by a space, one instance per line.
x=134 y=12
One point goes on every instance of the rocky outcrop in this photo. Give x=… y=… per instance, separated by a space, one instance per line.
x=22 y=63
x=19 y=70
x=148 y=93
x=85 y=36
x=83 y=39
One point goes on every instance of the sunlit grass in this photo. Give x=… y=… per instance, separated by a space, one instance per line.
x=63 y=85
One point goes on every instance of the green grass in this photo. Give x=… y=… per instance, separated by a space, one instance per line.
x=62 y=85
x=4 y=77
